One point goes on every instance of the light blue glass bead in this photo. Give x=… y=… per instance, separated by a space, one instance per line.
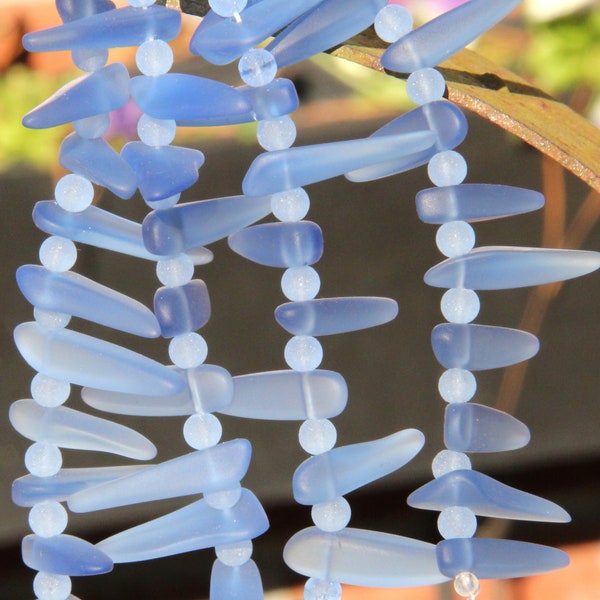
x=96 y=160
x=182 y=309
x=361 y=557
x=154 y=57
x=213 y=469
x=442 y=37
x=471 y=427
x=70 y=10
x=447 y=168
x=89 y=60
x=64 y=555
x=241 y=582
x=480 y=347
x=291 y=244
x=257 y=67
x=79 y=296
x=330 y=23
x=227 y=8
x=328 y=316
x=196 y=224
x=475 y=202
x=29 y=490
x=89 y=95
x=92 y=127
x=443 y=118
x=193 y=527
x=425 y=85
x=317 y=589
x=295 y=167
x=324 y=477
x=47 y=586
x=392 y=22
x=209 y=388
x=497 y=559
x=276 y=134
x=273 y=100
x=85 y=360
x=288 y=395
x=68 y=428
x=223 y=41
x=485 y=497
x=502 y=267
x=164 y=171
x=111 y=29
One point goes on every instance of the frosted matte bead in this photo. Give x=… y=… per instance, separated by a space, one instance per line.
x=457 y=522
x=457 y=385
x=328 y=316
x=111 y=29
x=224 y=499
x=188 y=350
x=64 y=555
x=202 y=431
x=276 y=134
x=272 y=100
x=328 y=24
x=92 y=127
x=89 y=60
x=182 y=309
x=208 y=388
x=324 y=477
x=288 y=395
x=300 y=283
x=156 y=132
x=443 y=118
x=448 y=460
x=460 y=305
x=480 y=347
x=176 y=271
x=497 y=559
x=57 y=254
x=74 y=193
x=317 y=435
x=140 y=3
x=500 y=267
x=442 y=37
x=303 y=353
x=43 y=460
x=447 y=168
x=79 y=296
x=485 y=497
x=392 y=22
x=50 y=320
x=455 y=238
x=425 y=85
x=235 y=583
x=291 y=205
x=360 y=557
x=332 y=515
x=317 y=589
x=154 y=57
x=49 y=392
x=164 y=171
x=290 y=244
x=475 y=202
x=257 y=67
x=196 y=224
x=236 y=554
x=471 y=427
x=70 y=10
x=165 y=203
x=282 y=170
x=466 y=585
x=227 y=8
x=85 y=360
x=47 y=586
x=93 y=94
x=207 y=471
x=193 y=527
x=68 y=428
x=48 y=518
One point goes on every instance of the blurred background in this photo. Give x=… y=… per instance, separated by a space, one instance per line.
x=374 y=245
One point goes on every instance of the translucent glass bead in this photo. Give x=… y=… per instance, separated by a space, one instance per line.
x=74 y=193
x=224 y=499
x=176 y=271
x=290 y=205
x=392 y=22
x=276 y=134
x=317 y=436
x=317 y=589
x=165 y=203
x=202 y=431
x=236 y=554
x=466 y=585
x=447 y=168
x=140 y=3
x=300 y=283
x=58 y=254
x=51 y=587
x=257 y=67
x=43 y=460
x=457 y=522
x=154 y=57
x=303 y=353
x=48 y=518
x=156 y=132
x=50 y=320
x=457 y=385
x=455 y=238
x=425 y=85
x=460 y=305
x=448 y=460
x=90 y=60
x=92 y=127
x=49 y=392
x=227 y=8
x=331 y=516
x=188 y=350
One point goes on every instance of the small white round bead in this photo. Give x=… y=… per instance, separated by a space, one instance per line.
x=257 y=67
x=457 y=385
x=92 y=127
x=140 y=3
x=43 y=460
x=447 y=168
x=317 y=435
x=156 y=132
x=90 y=60
x=303 y=353
x=48 y=518
x=466 y=585
x=74 y=193
x=457 y=522
x=393 y=22
x=425 y=85
x=300 y=283
x=48 y=586
x=331 y=516
x=460 y=305
x=317 y=589
x=58 y=254
x=224 y=499
x=154 y=57
x=291 y=205
x=276 y=134
x=449 y=460
x=455 y=238
x=188 y=350
x=236 y=554
x=49 y=392
x=227 y=8
x=176 y=271
x=202 y=431
x=50 y=321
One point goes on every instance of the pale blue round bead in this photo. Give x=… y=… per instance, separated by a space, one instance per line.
x=74 y=193
x=317 y=436
x=92 y=127
x=290 y=205
x=300 y=283
x=276 y=134
x=188 y=350
x=202 y=431
x=455 y=238
x=425 y=85
x=457 y=522
x=303 y=353
x=449 y=460
x=235 y=554
x=49 y=392
x=48 y=586
x=154 y=57
x=317 y=589
x=460 y=305
x=58 y=254
x=43 y=460
x=140 y=3
x=227 y=8
x=457 y=385
x=333 y=515
x=48 y=518
x=257 y=67
x=392 y=22
x=90 y=60
x=447 y=168
x=50 y=320
x=156 y=132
